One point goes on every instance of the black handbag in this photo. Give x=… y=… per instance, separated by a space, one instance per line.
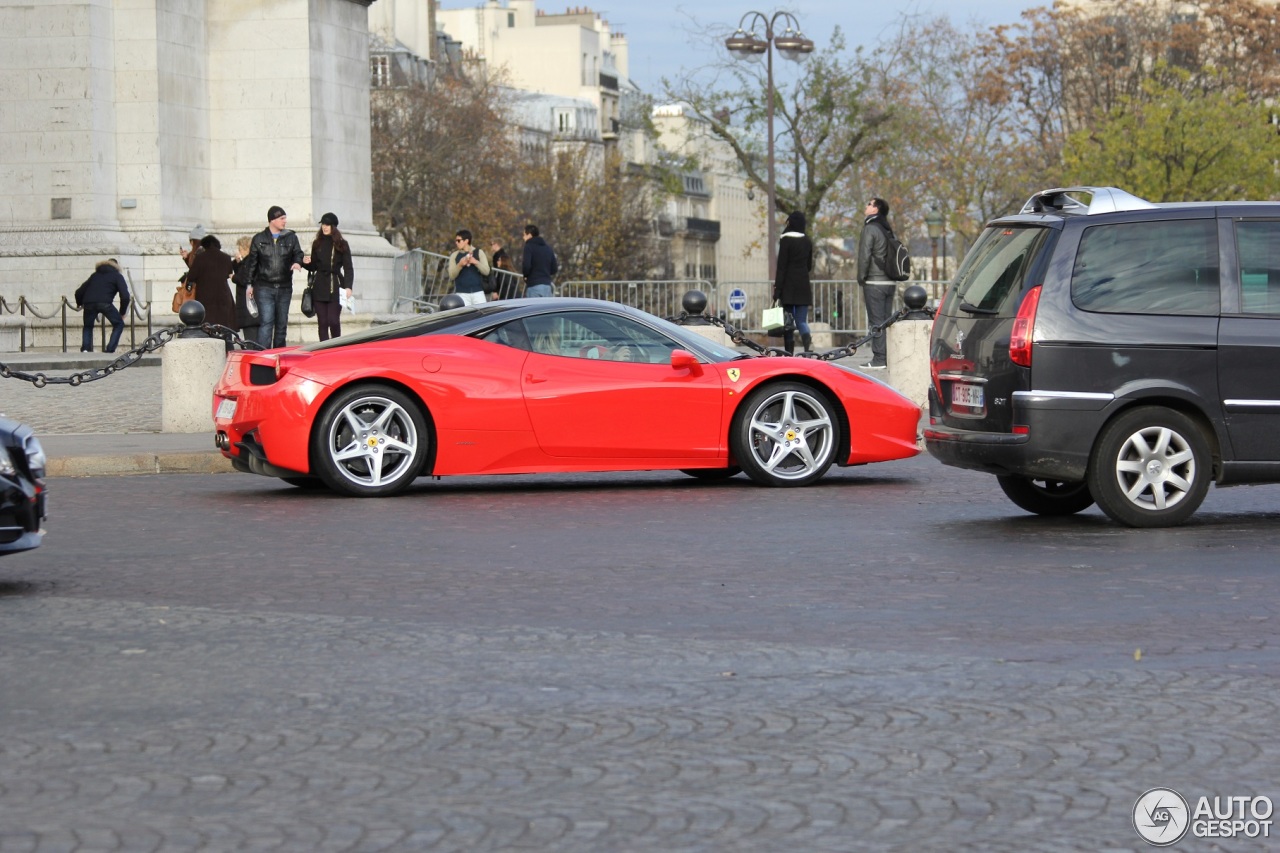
x=308 y=301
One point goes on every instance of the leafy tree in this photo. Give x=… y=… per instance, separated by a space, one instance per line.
x=954 y=142
x=595 y=213
x=443 y=159
x=1168 y=145
x=825 y=120
x=1066 y=67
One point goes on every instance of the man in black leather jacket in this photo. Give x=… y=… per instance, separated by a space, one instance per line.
x=878 y=290
x=274 y=256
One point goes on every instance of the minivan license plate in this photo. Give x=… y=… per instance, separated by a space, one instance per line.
x=968 y=396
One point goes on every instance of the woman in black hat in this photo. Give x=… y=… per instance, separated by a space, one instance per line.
x=330 y=265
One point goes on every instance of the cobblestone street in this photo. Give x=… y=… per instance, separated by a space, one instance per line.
x=626 y=663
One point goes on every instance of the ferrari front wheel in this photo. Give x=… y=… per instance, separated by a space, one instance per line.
x=784 y=434
x=370 y=441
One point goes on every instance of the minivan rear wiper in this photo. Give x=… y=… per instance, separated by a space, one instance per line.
x=974 y=309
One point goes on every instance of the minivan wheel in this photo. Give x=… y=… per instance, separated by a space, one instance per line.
x=1046 y=497
x=1150 y=468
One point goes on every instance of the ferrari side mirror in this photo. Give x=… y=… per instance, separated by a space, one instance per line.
x=683 y=359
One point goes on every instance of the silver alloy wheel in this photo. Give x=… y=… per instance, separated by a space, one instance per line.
x=791 y=435
x=1155 y=468
x=372 y=441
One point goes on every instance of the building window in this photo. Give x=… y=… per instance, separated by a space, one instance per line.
x=379 y=71
x=564 y=120
x=511 y=20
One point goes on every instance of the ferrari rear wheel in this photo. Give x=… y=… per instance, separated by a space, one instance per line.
x=784 y=434
x=370 y=441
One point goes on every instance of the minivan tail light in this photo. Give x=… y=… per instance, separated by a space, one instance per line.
x=1024 y=326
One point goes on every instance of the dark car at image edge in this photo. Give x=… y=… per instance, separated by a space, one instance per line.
x=1113 y=351
x=23 y=495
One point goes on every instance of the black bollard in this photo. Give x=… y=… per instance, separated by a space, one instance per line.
x=192 y=316
x=914 y=298
x=694 y=304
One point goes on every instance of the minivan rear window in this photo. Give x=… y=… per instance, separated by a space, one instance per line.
x=1155 y=267
x=992 y=276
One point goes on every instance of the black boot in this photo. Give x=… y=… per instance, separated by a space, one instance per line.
x=807 y=342
x=789 y=343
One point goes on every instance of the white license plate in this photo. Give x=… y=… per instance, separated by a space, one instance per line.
x=226 y=409
x=968 y=396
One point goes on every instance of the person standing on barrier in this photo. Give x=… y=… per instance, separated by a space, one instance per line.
x=330 y=258
x=792 y=287
x=539 y=265
x=468 y=269
x=878 y=289
x=95 y=296
x=274 y=256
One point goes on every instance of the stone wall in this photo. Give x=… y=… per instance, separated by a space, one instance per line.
x=123 y=125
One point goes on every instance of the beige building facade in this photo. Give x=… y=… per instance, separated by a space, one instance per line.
x=125 y=123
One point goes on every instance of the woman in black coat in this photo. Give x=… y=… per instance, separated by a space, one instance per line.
x=330 y=260
x=791 y=286
x=210 y=269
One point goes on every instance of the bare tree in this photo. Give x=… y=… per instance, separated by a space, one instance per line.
x=444 y=158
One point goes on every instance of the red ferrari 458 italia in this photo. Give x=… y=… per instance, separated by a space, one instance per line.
x=546 y=385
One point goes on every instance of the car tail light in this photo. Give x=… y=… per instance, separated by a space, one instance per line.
x=933 y=361
x=1024 y=326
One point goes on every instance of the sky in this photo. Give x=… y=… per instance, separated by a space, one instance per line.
x=662 y=35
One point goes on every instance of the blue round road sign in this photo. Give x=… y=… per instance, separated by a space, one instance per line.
x=737 y=299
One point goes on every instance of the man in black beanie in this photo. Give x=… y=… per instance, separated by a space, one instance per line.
x=274 y=256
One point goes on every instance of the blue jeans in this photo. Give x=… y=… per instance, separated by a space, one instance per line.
x=273 y=313
x=878 y=297
x=91 y=312
x=801 y=315
x=538 y=290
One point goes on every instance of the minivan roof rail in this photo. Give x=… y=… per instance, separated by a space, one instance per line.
x=1101 y=200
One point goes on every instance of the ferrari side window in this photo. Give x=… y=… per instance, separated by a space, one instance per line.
x=608 y=337
x=511 y=334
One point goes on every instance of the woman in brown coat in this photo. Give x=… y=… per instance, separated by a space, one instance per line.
x=210 y=269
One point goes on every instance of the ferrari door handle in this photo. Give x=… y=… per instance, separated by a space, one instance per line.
x=533 y=380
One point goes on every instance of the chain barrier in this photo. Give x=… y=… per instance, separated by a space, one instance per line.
x=739 y=338
x=130 y=358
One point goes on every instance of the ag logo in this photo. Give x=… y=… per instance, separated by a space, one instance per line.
x=1161 y=817
x=734 y=373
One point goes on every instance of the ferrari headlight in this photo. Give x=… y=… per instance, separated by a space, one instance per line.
x=36 y=460
x=6 y=463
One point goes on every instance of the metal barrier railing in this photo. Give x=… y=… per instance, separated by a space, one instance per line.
x=420 y=279
x=138 y=311
x=836 y=302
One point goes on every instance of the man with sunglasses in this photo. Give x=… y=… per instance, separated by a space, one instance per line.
x=468 y=269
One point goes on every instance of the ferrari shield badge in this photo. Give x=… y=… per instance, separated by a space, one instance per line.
x=734 y=373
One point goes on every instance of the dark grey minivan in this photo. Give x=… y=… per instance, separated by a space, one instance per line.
x=1098 y=347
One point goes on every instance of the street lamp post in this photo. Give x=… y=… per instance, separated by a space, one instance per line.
x=792 y=45
x=934 y=222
